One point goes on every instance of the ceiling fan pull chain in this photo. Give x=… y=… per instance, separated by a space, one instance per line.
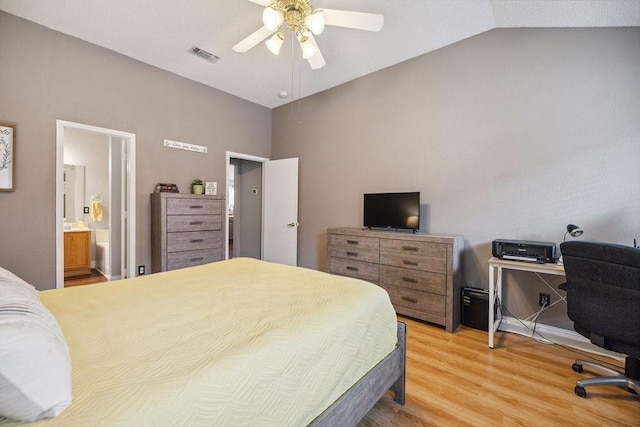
x=299 y=91
x=293 y=94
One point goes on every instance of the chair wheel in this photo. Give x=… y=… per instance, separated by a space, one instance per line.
x=580 y=391
x=577 y=367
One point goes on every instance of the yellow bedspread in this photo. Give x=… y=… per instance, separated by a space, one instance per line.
x=233 y=343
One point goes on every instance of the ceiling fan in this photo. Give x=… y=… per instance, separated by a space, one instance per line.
x=304 y=21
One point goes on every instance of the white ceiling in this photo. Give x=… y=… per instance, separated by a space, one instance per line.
x=162 y=32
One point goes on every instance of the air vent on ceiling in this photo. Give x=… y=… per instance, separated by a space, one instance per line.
x=204 y=54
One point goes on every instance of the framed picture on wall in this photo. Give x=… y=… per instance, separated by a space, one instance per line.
x=7 y=157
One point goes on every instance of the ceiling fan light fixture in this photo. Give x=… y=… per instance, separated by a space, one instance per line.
x=304 y=22
x=315 y=22
x=275 y=43
x=271 y=18
x=308 y=49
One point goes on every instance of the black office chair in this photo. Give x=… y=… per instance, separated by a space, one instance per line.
x=603 y=300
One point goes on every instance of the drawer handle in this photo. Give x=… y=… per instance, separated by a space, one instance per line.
x=195 y=223
x=409 y=279
x=405 y=262
x=196 y=259
x=352 y=253
x=410 y=248
x=352 y=268
x=352 y=242
x=411 y=300
x=196 y=206
x=196 y=240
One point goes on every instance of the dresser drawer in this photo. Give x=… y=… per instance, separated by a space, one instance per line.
x=177 y=260
x=192 y=240
x=435 y=283
x=351 y=242
x=423 y=302
x=194 y=207
x=353 y=268
x=193 y=222
x=416 y=262
x=434 y=250
x=362 y=248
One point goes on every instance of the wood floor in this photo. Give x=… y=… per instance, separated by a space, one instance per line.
x=457 y=380
x=88 y=279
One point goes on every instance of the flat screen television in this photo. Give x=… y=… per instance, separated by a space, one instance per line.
x=392 y=210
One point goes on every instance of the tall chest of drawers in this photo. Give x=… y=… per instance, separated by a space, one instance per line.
x=421 y=272
x=186 y=230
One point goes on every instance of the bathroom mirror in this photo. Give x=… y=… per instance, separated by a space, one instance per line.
x=73 y=193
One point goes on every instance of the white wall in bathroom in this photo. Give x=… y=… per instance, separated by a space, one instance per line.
x=92 y=151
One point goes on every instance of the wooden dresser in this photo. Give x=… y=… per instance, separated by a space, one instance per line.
x=421 y=272
x=186 y=230
x=77 y=253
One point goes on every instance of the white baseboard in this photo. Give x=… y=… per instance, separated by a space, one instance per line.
x=556 y=335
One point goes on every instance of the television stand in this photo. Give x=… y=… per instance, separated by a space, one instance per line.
x=421 y=272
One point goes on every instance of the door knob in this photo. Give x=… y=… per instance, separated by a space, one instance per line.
x=292 y=224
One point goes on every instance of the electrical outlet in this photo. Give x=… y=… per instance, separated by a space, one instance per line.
x=141 y=270
x=86 y=209
x=544 y=300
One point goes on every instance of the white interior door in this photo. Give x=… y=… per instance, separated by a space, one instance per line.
x=280 y=211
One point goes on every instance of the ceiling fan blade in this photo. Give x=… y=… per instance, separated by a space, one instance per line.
x=262 y=2
x=357 y=20
x=251 y=41
x=316 y=61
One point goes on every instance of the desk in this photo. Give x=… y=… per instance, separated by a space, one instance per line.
x=496 y=265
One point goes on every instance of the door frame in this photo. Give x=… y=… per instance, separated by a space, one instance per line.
x=232 y=155
x=130 y=170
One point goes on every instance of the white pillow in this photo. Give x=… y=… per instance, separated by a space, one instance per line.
x=11 y=286
x=35 y=367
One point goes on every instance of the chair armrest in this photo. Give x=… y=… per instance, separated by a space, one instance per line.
x=563 y=286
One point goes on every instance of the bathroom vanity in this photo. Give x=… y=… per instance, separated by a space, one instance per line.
x=77 y=252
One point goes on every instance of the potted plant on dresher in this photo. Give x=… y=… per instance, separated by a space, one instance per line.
x=197 y=187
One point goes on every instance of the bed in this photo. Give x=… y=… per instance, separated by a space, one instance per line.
x=237 y=342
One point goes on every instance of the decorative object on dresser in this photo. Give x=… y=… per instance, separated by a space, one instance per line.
x=197 y=186
x=421 y=272
x=186 y=230
x=162 y=187
x=211 y=188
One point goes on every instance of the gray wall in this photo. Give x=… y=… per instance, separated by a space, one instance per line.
x=46 y=75
x=510 y=134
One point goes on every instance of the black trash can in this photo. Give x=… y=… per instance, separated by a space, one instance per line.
x=475 y=308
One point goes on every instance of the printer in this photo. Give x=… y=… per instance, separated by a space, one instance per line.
x=524 y=250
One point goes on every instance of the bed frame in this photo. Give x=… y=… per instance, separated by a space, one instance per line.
x=354 y=404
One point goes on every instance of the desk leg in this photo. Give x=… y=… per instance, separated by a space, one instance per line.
x=499 y=295
x=495 y=290
x=491 y=304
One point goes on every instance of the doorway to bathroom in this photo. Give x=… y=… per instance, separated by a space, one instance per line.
x=95 y=204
